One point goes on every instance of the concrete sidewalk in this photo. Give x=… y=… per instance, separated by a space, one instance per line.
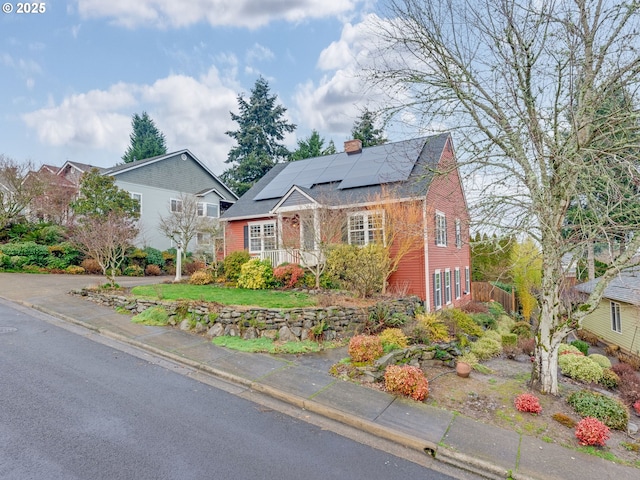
x=304 y=382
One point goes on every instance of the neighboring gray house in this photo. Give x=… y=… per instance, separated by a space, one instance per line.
x=159 y=183
x=617 y=319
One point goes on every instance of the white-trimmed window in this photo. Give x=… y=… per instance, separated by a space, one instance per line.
x=437 y=289
x=441 y=229
x=616 y=325
x=203 y=238
x=458 y=233
x=262 y=236
x=447 y=286
x=138 y=197
x=176 y=205
x=210 y=210
x=366 y=228
x=456 y=282
x=467 y=281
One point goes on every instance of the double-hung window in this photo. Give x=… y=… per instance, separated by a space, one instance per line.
x=437 y=289
x=262 y=237
x=457 y=282
x=210 y=210
x=366 y=228
x=458 y=233
x=467 y=281
x=441 y=229
x=447 y=286
x=138 y=198
x=616 y=325
x=176 y=205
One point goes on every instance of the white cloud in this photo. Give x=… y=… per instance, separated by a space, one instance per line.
x=239 y=13
x=192 y=113
x=259 y=53
x=333 y=104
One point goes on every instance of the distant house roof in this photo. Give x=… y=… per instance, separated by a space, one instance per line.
x=625 y=287
x=344 y=178
x=84 y=167
x=126 y=167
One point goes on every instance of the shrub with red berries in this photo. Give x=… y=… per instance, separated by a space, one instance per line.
x=527 y=402
x=591 y=431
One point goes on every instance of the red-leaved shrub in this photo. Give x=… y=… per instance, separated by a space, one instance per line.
x=527 y=402
x=629 y=387
x=636 y=407
x=91 y=266
x=365 y=348
x=591 y=431
x=288 y=275
x=474 y=307
x=152 y=270
x=621 y=368
x=406 y=380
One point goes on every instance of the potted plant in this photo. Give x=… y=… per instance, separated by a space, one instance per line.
x=465 y=363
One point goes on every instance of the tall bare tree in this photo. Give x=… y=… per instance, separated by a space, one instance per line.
x=520 y=83
x=16 y=193
x=185 y=219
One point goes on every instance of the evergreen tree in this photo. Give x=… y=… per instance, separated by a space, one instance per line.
x=146 y=140
x=99 y=196
x=261 y=131
x=364 y=129
x=312 y=147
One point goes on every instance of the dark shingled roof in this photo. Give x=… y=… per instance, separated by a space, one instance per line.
x=623 y=288
x=418 y=159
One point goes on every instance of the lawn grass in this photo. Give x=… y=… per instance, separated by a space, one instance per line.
x=225 y=296
x=266 y=345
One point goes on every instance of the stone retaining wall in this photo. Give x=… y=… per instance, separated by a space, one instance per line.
x=250 y=322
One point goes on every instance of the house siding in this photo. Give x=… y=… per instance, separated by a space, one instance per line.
x=295 y=199
x=598 y=322
x=174 y=174
x=446 y=196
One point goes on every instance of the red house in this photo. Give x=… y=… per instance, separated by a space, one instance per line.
x=288 y=213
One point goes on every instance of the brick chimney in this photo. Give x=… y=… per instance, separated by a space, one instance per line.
x=353 y=146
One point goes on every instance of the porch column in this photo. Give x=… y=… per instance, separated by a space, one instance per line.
x=316 y=229
x=279 y=231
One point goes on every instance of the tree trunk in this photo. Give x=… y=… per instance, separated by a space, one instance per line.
x=591 y=260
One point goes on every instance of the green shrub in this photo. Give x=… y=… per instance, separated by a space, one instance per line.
x=509 y=340
x=201 y=277
x=485 y=320
x=565 y=348
x=152 y=316
x=133 y=271
x=154 y=256
x=459 y=322
x=430 y=326
x=522 y=329
x=580 y=368
x=608 y=410
x=609 y=379
x=393 y=339
x=496 y=309
x=365 y=348
x=486 y=348
x=32 y=253
x=406 y=380
x=232 y=264
x=74 y=270
x=256 y=274
x=582 y=346
x=601 y=360
x=359 y=269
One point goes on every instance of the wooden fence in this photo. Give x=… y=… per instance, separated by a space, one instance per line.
x=485 y=292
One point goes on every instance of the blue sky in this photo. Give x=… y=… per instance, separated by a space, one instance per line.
x=73 y=76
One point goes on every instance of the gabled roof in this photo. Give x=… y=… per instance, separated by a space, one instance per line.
x=625 y=287
x=83 y=167
x=126 y=167
x=406 y=167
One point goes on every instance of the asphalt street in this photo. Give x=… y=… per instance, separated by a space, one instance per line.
x=71 y=408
